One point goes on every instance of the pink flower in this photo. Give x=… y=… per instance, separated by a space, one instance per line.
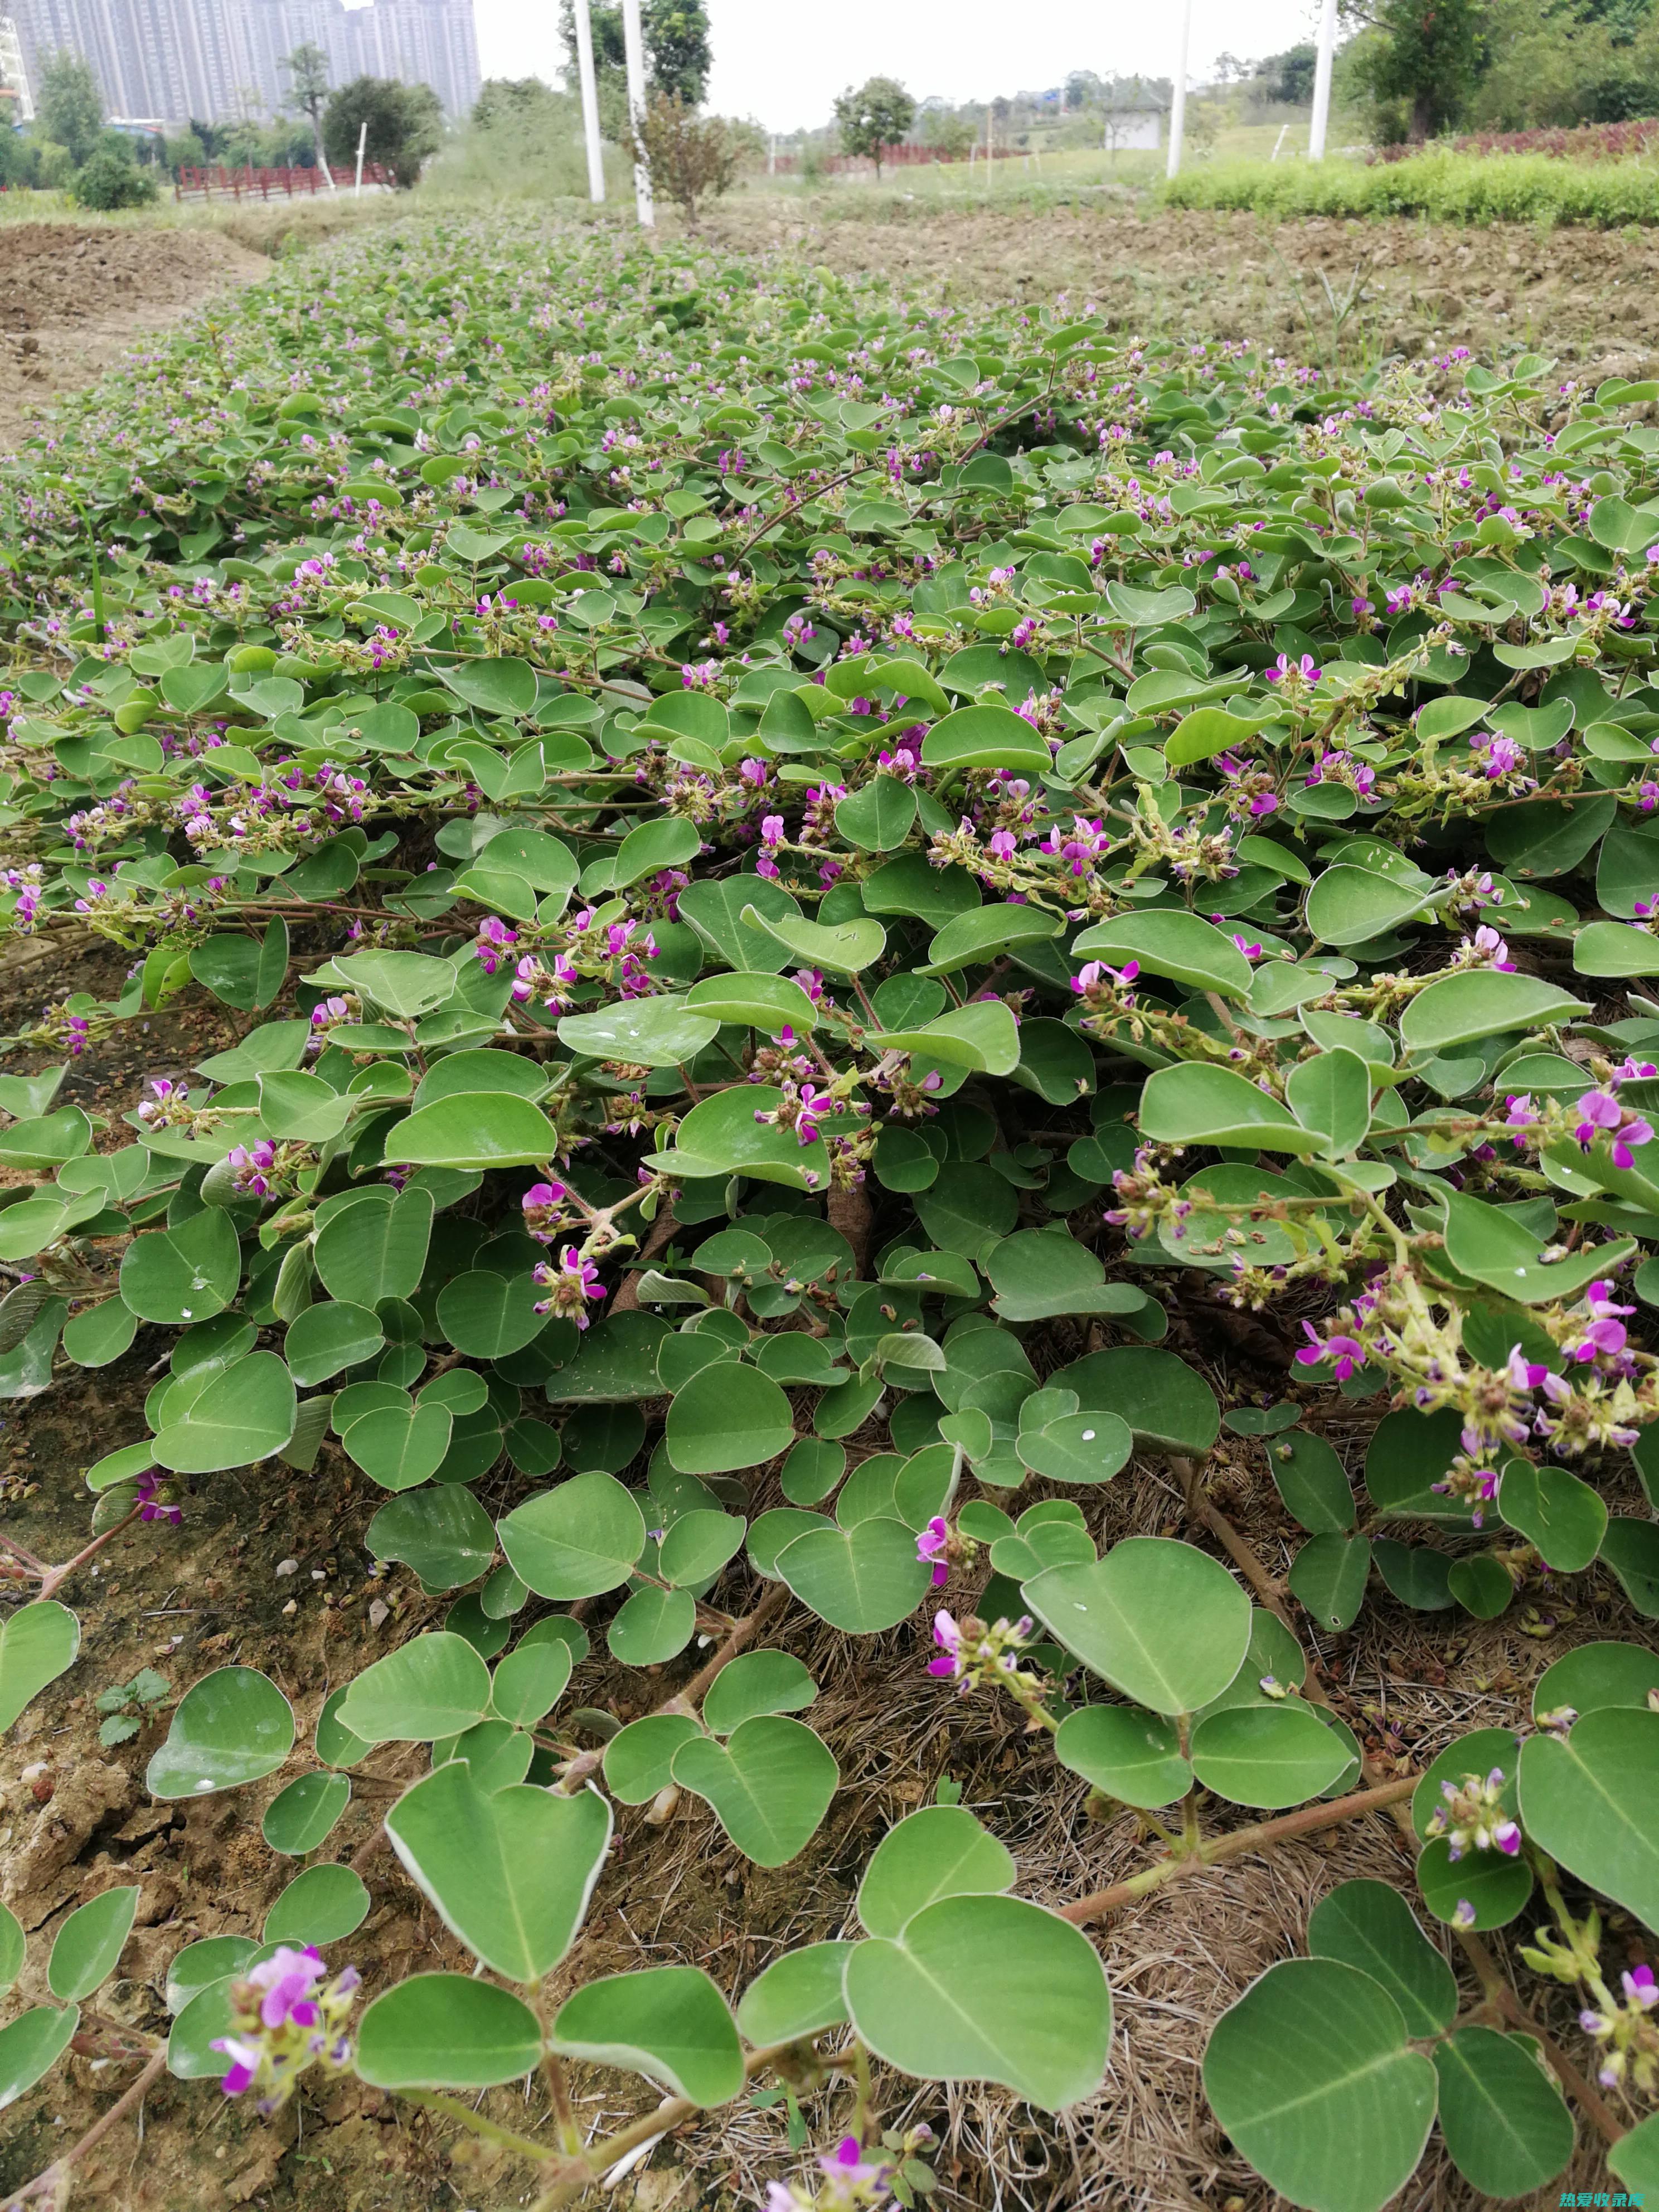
x=1285 y=666
x=572 y=1284
x=1348 y=1352
x=1250 y=951
x=930 y=1547
x=948 y=1636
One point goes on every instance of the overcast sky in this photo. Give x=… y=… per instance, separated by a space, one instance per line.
x=783 y=61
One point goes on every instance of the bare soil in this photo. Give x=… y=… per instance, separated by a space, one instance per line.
x=74 y=299
x=1586 y=296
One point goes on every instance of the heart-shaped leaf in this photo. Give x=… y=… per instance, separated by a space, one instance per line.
x=446 y=2031
x=770 y=1784
x=917 y=2000
x=433 y=1685
x=510 y=1872
x=1162 y=1621
x=861 y=1579
x=1591 y=1800
x=575 y=1540
x=940 y=1852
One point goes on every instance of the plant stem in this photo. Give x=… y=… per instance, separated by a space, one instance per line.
x=452 y=2108
x=54 y=1577
x=1306 y=1820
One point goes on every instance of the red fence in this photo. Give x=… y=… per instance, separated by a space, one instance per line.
x=268 y=183
x=1589 y=142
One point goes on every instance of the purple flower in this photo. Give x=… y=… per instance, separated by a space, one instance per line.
x=1250 y=951
x=930 y=1547
x=572 y=1284
x=948 y=1636
x=1285 y=666
x=540 y=1205
x=1348 y=1352
x=1641 y=1988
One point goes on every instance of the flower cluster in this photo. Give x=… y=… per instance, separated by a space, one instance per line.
x=286 y=2015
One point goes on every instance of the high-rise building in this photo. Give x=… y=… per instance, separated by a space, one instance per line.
x=17 y=101
x=221 y=60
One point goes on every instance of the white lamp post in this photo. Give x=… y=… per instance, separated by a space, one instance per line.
x=1178 y=104
x=590 y=92
x=633 y=54
x=1322 y=112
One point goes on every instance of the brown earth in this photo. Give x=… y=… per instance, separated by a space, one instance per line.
x=1320 y=285
x=74 y=299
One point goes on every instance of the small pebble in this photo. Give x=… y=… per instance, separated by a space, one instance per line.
x=287 y=1567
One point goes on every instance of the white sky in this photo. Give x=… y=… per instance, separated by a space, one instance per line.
x=783 y=61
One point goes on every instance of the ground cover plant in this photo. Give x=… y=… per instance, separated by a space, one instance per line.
x=733 y=815
x=1444 y=186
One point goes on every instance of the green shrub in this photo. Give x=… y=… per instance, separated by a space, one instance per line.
x=109 y=180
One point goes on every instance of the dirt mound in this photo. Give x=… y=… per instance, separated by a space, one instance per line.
x=73 y=298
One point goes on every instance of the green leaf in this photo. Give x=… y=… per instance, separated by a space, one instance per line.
x=37 y=1642
x=1635 y=2157
x=87 y=1945
x=798 y=1994
x=400 y=1446
x=940 y=1852
x=1506 y=2124
x=983 y=932
x=984 y=736
x=1205 y=732
x=31 y=2045
x=1562 y=1516
x=328 y=1337
x=510 y=1872
x=369 y=1251
x=1192 y=1103
x=1481 y=1003
x=715 y=911
x=1331 y=1095
x=578 y=1540
x=660 y=1032
x=771 y=1003
x=753 y=1683
x=669 y=2023
x=433 y=1685
x=1591 y=1800
x=323 y=1905
x=405 y=984
x=727 y=1418
x=699 y=1542
x=1182 y=946
x=877 y=817
x=1369 y=1924
x=1126 y=1753
x=1160 y=1621
x=507 y=688
x=13 y=1948
x=1610 y=948
x=720 y=1137
x=769 y=1784
x=1595 y=1675
x=842 y=948
x=183 y=1274
x=982 y=1035
x=652 y=1625
x=1310 y=2074
x=1168 y=1404
x=1040 y=1272
x=233 y=1727
x=443 y=1534
x=1267 y=1756
x=446 y=2031
x=303 y=1815
x=1351 y=905
x=639 y=1759
x=1485 y=1243
x=474 y=1129
x=1328 y=1576
x=489 y=1316
x=1311 y=1481
x=988 y=1988
x=245 y=1413
x=861 y=1579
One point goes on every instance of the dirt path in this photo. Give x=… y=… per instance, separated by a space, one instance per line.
x=74 y=299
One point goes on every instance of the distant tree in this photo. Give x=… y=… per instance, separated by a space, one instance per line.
x=70 y=108
x=406 y=126
x=510 y=99
x=1417 y=63
x=308 y=87
x=678 y=53
x=874 y=117
x=948 y=133
x=1288 y=78
x=686 y=159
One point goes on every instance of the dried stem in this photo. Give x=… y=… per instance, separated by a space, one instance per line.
x=54 y=2182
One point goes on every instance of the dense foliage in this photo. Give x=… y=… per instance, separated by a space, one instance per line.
x=738 y=814
x=1445 y=187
